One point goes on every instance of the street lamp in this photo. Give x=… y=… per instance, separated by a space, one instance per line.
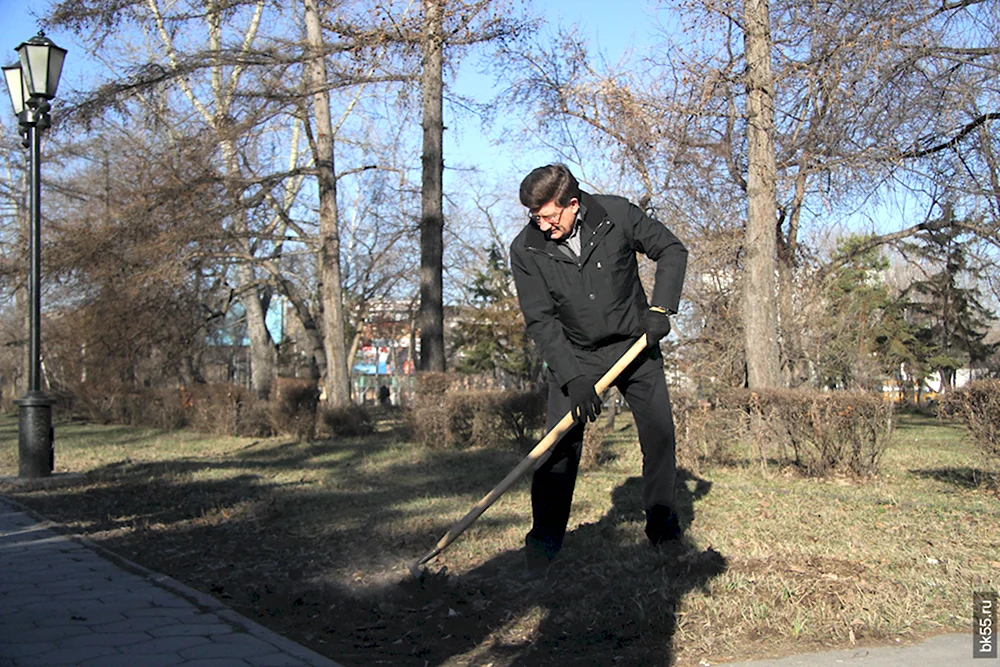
x=32 y=83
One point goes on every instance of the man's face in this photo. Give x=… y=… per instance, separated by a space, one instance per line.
x=554 y=220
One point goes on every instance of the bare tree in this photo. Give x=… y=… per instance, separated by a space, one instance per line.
x=432 y=191
x=760 y=321
x=447 y=28
x=380 y=254
x=236 y=89
x=14 y=270
x=209 y=77
x=866 y=98
x=338 y=390
x=130 y=255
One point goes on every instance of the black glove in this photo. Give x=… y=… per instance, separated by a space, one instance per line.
x=657 y=325
x=584 y=401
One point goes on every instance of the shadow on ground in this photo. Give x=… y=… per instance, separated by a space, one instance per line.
x=263 y=528
x=963 y=477
x=610 y=598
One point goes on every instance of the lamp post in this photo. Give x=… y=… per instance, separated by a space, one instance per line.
x=32 y=82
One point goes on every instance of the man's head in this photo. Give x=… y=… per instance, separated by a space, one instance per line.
x=552 y=196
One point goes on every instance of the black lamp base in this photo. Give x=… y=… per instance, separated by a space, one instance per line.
x=36 y=455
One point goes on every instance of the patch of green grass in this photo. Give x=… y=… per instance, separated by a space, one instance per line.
x=86 y=447
x=313 y=539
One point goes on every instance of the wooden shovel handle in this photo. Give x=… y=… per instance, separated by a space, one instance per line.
x=529 y=461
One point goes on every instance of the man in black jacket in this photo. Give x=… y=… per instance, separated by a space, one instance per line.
x=578 y=284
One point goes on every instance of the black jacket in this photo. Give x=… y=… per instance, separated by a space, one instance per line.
x=572 y=307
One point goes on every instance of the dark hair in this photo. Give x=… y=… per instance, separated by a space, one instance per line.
x=553 y=182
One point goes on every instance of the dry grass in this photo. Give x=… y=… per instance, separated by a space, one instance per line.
x=312 y=539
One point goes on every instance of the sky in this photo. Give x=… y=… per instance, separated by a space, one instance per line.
x=624 y=30
x=18 y=25
x=628 y=30
x=618 y=33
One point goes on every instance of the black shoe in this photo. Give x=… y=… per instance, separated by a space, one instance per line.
x=538 y=558
x=532 y=575
x=536 y=566
x=663 y=526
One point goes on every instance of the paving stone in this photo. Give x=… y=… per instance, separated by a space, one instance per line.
x=21 y=649
x=88 y=615
x=12 y=613
x=128 y=602
x=130 y=661
x=66 y=656
x=245 y=638
x=109 y=639
x=62 y=603
x=20 y=583
x=32 y=598
x=275 y=660
x=93 y=594
x=57 y=587
x=162 y=598
x=178 y=613
x=68 y=620
x=228 y=647
x=147 y=625
x=8 y=553
x=104 y=571
x=166 y=645
x=208 y=630
x=47 y=633
x=15 y=630
x=74 y=607
x=107 y=572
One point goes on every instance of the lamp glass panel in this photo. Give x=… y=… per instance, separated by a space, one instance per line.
x=56 y=58
x=35 y=63
x=16 y=87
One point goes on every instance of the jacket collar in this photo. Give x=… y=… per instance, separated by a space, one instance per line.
x=594 y=216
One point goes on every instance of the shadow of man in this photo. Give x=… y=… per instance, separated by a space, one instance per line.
x=610 y=597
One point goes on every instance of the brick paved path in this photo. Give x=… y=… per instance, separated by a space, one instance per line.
x=63 y=603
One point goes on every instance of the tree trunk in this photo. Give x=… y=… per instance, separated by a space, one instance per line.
x=338 y=388
x=313 y=337
x=609 y=420
x=355 y=344
x=262 y=352
x=412 y=351
x=759 y=301
x=21 y=299
x=431 y=215
x=794 y=370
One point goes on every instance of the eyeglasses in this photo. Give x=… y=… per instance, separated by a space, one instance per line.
x=551 y=219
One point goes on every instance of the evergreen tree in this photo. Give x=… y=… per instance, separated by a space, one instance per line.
x=901 y=353
x=857 y=300
x=866 y=334
x=490 y=336
x=947 y=304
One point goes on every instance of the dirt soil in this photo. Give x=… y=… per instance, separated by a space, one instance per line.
x=462 y=611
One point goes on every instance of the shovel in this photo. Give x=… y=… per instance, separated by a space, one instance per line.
x=533 y=458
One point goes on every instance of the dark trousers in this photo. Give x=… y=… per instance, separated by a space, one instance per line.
x=645 y=389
